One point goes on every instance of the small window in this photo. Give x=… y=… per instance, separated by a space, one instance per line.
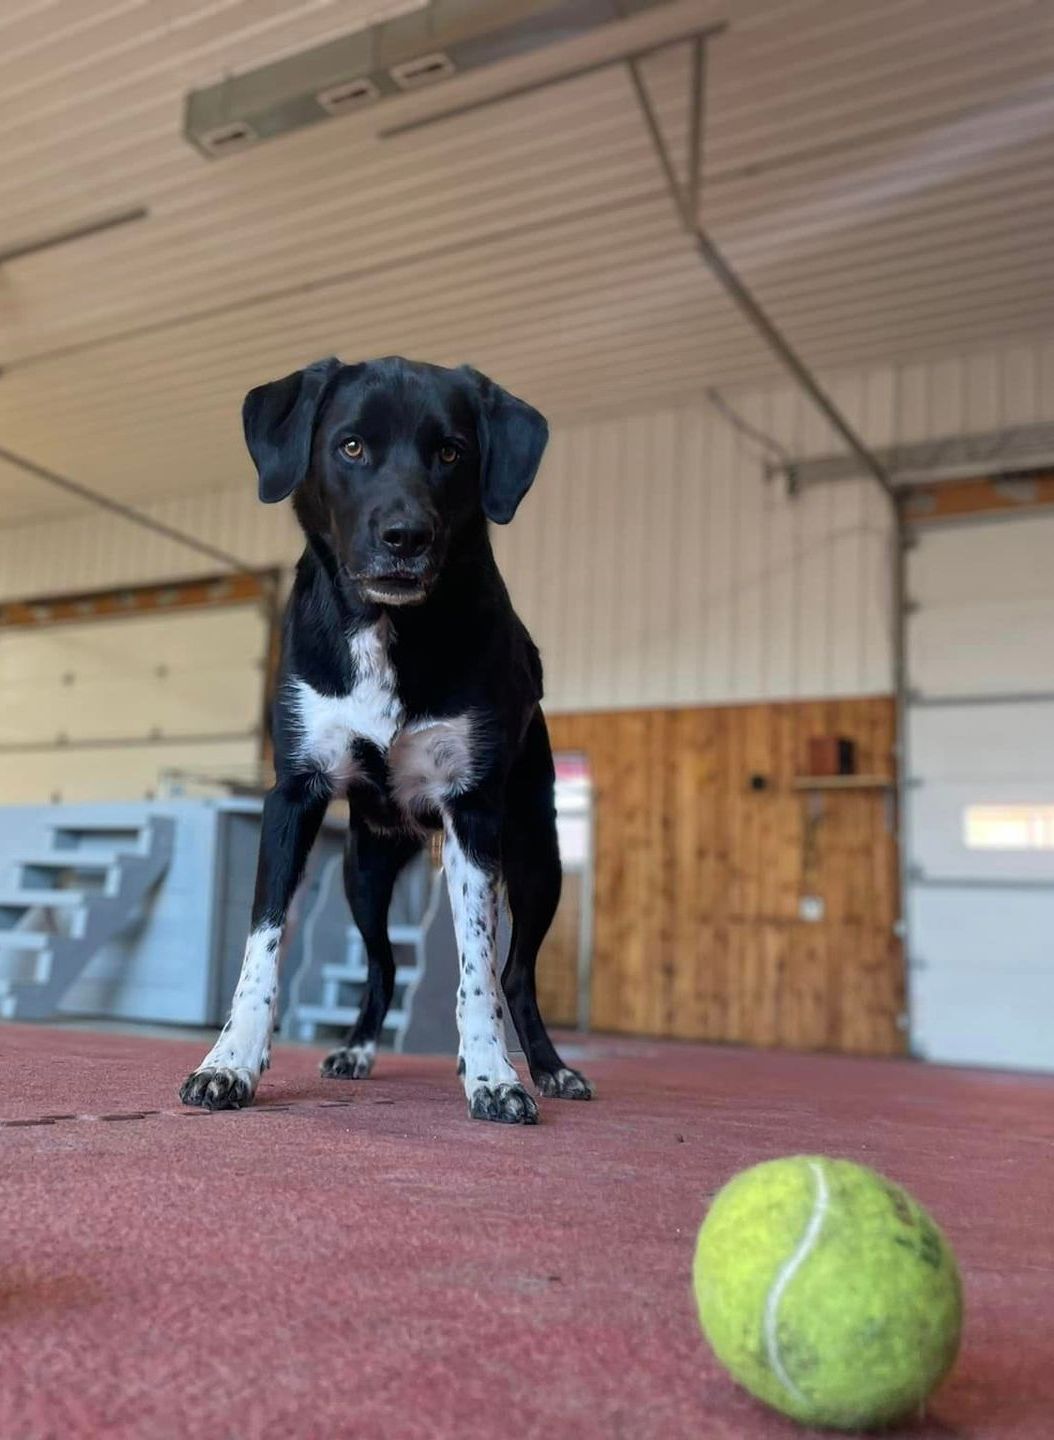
x=1008 y=827
x=574 y=805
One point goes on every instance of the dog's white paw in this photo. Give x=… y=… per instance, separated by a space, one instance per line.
x=219 y=1088
x=507 y=1104
x=563 y=1084
x=349 y=1062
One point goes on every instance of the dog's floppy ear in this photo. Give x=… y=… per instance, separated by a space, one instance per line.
x=279 y=421
x=512 y=439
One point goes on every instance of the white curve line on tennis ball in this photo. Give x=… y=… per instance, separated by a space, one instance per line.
x=787 y=1272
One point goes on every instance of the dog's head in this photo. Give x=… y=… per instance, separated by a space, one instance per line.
x=390 y=462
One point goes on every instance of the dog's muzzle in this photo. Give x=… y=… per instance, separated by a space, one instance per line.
x=403 y=566
x=396 y=587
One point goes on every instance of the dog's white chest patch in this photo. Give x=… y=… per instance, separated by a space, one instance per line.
x=429 y=761
x=329 y=725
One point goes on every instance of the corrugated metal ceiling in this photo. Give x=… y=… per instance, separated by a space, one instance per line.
x=881 y=175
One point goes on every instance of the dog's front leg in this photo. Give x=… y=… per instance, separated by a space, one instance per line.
x=228 y=1076
x=471 y=849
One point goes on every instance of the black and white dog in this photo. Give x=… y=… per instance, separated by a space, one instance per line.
x=409 y=685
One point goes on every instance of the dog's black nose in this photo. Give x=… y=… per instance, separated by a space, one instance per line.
x=407 y=538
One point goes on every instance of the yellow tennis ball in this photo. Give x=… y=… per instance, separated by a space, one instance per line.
x=827 y=1291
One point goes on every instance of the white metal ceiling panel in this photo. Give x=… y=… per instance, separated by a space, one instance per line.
x=882 y=175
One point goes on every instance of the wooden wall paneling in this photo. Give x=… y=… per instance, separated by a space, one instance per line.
x=717 y=957
x=759 y=759
x=710 y=954
x=809 y=989
x=690 y=1006
x=671 y=925
x=644 y=764
x=679 y=989
x=698 y=877
x=615 y=856
x=786 y=867
x=641 y=777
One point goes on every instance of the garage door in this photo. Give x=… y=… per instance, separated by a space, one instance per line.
x=109 y=709
x=980 y=816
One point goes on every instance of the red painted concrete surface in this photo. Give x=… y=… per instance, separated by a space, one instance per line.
x=388 y=1268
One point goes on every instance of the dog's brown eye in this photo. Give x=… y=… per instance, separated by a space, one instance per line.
x=352 y=447
x=448 y=454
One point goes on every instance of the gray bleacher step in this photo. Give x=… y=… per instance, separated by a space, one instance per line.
x=33 y=899
x=404 y=934
x=344 y=1015
x=24 y=940
x=356 y=974
x=76 y=837
x=125 y=865
x=397 y=934
x=72 y=859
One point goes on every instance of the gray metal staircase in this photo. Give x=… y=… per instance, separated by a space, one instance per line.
x=326 y=993
x=67 y=901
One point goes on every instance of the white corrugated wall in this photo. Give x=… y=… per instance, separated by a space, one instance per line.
x=658 y=566
x=654 y=562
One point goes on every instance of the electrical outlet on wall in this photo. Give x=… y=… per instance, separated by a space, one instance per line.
x=811 y=908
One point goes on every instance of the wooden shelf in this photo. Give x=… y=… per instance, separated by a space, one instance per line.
x=843 y=782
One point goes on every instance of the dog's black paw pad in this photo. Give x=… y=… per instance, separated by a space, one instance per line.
x=563 y=1085
x=217 y=1089
x=350 y=1062
x=507 y=1104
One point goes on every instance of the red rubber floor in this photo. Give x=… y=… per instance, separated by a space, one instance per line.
x=387 y=1268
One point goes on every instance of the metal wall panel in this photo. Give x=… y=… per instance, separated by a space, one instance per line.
x=657 y=565
x=653 y=560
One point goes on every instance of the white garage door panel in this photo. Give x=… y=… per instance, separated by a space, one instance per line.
x=1003 y=1021
x=968 y=743
x=981 y=951
x=982 y=976
x=998 y=934
x=128 y=774
x=1003 y=561
x=983 y=648
x=938 y=838
x=182 y=640
x=188 y=704
x=83 y=706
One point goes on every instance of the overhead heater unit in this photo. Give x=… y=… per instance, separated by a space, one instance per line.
x=425 y=47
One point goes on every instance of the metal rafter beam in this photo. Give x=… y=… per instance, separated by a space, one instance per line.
x=696 y=112
x=126 y=512
x=685 y=200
